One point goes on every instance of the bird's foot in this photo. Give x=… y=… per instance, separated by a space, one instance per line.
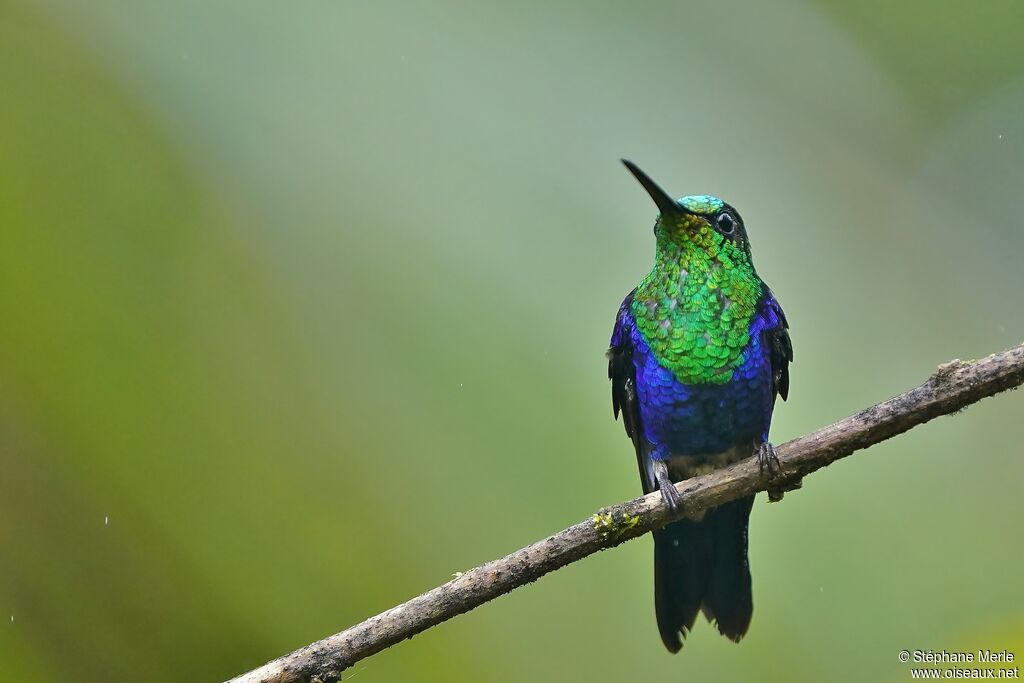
x=768 y=461
x=668 y=489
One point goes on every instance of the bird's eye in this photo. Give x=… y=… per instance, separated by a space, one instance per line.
x=726 y=224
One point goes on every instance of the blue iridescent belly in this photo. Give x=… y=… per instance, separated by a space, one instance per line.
x=680 y=419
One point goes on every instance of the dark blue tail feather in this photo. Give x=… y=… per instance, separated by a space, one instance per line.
x=702 y=566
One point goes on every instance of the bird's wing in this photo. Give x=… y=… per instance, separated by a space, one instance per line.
x=622 y=373
x=780 y=348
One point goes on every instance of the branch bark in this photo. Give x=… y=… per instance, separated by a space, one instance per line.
x=952 y=387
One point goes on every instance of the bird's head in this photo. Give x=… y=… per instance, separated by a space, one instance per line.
x=696 y=223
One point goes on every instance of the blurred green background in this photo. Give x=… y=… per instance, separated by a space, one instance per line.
x=303 y=308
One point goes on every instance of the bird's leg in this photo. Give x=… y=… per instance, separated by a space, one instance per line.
x=668 y=489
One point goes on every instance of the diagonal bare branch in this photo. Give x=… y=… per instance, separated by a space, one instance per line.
x=954 y=386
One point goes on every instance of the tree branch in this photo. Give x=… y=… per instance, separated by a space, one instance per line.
x=954 y=386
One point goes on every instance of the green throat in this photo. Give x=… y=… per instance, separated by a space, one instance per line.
x=695 y=307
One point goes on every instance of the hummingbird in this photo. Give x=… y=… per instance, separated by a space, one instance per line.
x=698 y=355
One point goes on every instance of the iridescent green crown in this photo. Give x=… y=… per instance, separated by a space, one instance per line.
x=704 y=204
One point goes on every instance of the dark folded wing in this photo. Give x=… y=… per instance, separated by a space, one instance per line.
x=622 y=373
x=779 y=345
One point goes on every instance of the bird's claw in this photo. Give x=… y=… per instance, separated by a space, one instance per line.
x=768 y=460
x=669 y=492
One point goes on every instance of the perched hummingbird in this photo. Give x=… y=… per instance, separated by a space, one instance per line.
x=699 y=352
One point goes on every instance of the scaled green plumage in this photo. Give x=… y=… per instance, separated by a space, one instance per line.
x=695 y=307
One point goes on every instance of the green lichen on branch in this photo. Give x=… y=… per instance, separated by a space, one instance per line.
x=609 y=526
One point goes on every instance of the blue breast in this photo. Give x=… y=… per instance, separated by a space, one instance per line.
x=680 y=419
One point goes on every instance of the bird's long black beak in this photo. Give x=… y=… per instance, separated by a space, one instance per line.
x=666 y=204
